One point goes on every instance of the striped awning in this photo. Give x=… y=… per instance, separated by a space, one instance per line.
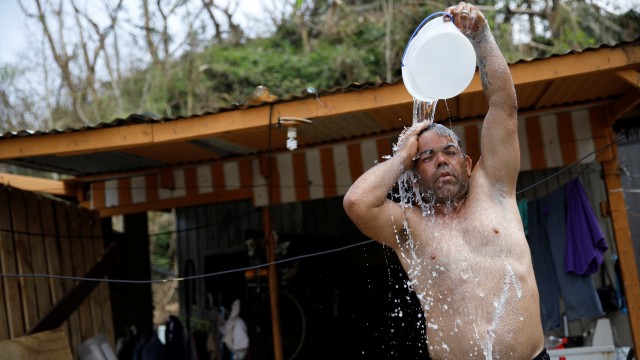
x=546 y=141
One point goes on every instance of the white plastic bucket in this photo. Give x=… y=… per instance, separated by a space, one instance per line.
x=439 y=61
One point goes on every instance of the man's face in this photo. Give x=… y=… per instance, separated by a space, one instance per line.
x=443 y=170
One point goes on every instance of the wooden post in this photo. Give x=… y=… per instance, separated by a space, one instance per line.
x=273 y=285
x=138 y=263
x=624 y=244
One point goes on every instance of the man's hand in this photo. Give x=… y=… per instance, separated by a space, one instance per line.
x=408 y=143
x=469 y=20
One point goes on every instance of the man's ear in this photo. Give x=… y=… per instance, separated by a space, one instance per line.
x=468 y=162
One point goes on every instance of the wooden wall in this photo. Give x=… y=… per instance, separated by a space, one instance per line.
x=40 y=235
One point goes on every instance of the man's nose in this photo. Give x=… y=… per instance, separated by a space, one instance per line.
x=441 y=160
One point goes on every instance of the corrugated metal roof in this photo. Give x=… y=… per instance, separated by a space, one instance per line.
x=147 y=119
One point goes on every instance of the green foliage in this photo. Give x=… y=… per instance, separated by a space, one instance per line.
x=229 y=74
x=162 y=241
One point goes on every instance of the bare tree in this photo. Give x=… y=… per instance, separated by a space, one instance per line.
x=91 y=57
x=113 y=67
x=235 y=34
x=387 y=11
x=157 y=36
x=14 y=102
x=75 y=56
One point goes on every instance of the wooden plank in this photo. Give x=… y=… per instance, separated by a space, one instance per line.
x=7 y=266
x=70 y=143
x=625 y=104
x=79 y=268
x=207 y=125
x=631 y=76
x=105 y=299
x=38 y=256
x=343 y=103
x=89 y=245
x=23 y=255
x=53 y=252
x=624 y=244
x=48 y=345
x=51 y=247
x=583 y=63
x=66 y=255
x=30 y=183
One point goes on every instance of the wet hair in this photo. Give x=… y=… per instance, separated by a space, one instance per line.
x=444 y=131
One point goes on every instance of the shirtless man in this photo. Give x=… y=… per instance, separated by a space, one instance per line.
x=467 y=257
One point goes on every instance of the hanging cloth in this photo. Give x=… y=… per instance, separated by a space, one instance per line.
x=586 y=244
x=547 y=241
x=235 y=335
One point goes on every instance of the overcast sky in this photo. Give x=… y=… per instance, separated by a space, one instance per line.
x=13 y=33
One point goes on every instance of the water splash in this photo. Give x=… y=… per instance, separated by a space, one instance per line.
x=499 y=305
x=424 y=110
x=407 y=193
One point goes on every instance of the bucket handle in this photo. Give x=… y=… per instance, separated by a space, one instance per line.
x=443 y=13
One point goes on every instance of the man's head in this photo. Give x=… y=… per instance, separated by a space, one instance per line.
x=443 y=168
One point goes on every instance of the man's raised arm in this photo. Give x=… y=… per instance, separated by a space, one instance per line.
x=500 y=158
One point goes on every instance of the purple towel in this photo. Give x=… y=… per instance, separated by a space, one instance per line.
x=586 y=244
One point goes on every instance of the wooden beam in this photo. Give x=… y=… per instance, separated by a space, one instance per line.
x=623 y=105
x=273 y=284
x=624 y=244
x=343 y=103
x=76 y=142
x=35 y=184
x=583 y=63
x=72 y=300
x=631 y=76
x=211 y=124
